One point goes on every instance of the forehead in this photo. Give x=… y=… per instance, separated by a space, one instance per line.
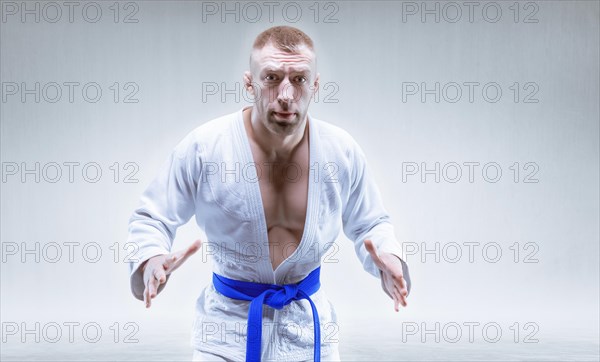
x=270 y=57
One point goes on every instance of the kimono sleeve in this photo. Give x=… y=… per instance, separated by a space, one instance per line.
x=364 y=216
x=167 y=203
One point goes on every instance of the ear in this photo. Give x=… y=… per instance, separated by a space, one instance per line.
x=248 y=82
x=316 y=84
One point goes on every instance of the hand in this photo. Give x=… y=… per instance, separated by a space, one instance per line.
x=392 y=278
x=157 y=268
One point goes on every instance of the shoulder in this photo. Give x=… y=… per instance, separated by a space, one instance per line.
x=206 y=135
x=332 y=132
x=337 y=140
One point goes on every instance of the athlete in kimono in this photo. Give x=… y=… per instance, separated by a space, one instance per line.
x=272 y=187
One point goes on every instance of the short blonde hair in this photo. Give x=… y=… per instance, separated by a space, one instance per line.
x=284 y=38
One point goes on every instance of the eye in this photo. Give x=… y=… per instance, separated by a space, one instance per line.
x=271 y=77
x=301 y=79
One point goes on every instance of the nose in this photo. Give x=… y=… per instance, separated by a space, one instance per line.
x=286 y=92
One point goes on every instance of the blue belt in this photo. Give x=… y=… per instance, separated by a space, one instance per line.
x=275 y=296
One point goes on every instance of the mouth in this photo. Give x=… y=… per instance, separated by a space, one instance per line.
x=284 y=115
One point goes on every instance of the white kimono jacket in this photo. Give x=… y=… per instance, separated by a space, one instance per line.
x=210 y=174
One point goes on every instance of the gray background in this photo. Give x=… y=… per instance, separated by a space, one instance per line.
x=366 y=59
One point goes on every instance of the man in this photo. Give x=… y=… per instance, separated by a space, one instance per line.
x=267 y=225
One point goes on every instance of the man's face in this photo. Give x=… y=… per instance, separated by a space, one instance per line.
x=282 y=85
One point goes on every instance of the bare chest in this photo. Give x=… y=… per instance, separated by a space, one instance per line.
x=284 y=194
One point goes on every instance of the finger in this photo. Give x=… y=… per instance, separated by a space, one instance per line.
x=384 y=283
x=189 y=251
x=144 y=295
x=169 y=261
x=398 y=278
x=147 y=293
x=152 y=290
x=181 y=256
x=401 y=295
x=160 y=276
x=404 y=293
x=397 y=299
x=401 y=285
x=371 y=249
x=194 y=247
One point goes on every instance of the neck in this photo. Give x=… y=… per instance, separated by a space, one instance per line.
x=275 y=146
